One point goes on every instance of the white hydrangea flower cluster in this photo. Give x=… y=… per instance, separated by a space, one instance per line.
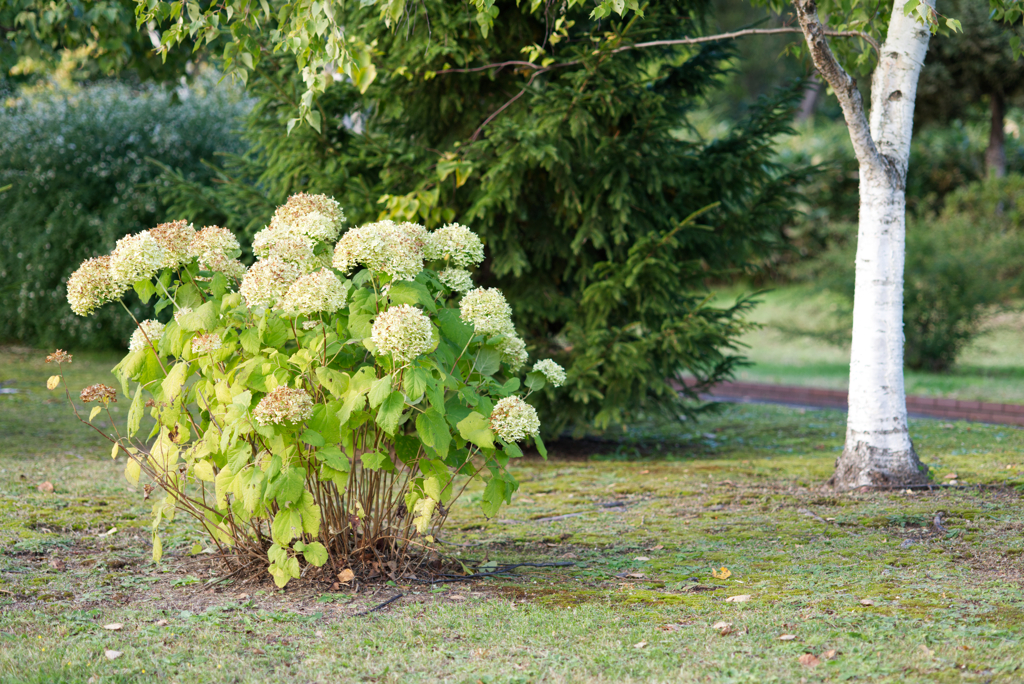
x=318 y=217
x=284 y=405
x=319 y=292
x=456 y=279
x=294 y=248
x=175 y=237
x=136 y=257
x=403 y=332
x=212 y=246
x=514 y=420
x=552 y=372
x=147 y=332
x=490 y=314
x=385 y=246
x=456 y=244
x=206 y=344
x=310 y=325
x=183 y=311
x=487 y=310
x=266 y=281
x=92 y=286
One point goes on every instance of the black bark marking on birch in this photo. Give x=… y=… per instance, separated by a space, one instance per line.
x=895 y=95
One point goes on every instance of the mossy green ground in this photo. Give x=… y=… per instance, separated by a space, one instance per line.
x=645 y=520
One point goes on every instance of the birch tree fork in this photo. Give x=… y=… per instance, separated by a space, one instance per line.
x=878 y=449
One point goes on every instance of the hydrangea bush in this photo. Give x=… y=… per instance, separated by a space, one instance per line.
x=327 y=405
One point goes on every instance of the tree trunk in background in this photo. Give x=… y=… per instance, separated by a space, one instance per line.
x=878 y=450
x=812 y=95
x=995 y=155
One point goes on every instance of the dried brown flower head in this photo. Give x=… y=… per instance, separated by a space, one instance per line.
x=58 y=357
x=99 y=392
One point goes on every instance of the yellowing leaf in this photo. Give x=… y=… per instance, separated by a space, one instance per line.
x=787 y=637
x=346 y=576
x=158 y=548
x=132 y=470
x=722 y=573
x=95 y=412
x=114 y=450
x=52 y=382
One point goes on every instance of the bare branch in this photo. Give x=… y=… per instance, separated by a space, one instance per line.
x=748 y=32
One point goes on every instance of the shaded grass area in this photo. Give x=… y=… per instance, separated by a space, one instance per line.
x=990 y=369
x=646 y=520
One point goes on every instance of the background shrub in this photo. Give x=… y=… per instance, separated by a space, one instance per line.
x=80 y=178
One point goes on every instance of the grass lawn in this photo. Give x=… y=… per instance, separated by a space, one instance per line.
x=865 y=583
x=990 y=369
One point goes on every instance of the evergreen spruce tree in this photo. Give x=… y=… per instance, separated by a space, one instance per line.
x=605 y=215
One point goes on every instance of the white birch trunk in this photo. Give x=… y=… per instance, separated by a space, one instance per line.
x=878 y=450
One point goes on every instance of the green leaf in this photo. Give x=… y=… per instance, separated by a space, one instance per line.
x=377 y=461
x=476 y=428
x=535 y=380
x=433 y=430
x=174 y=382
x=203 y=318
x=285 y=570
x=314 y=553
x=391 y=412
x=336 y=383
x=512 y=450
x=250 y=340
x=333 y=457
x=145 y=289
x=135 y=411
x=493 y=497
x=286 y=526
x=412 y=293
x=488 y=361
x=379 y=391
x=454 y=328
x=360 y=325
x=313 y=438
x=325 y=421
x=539 y=443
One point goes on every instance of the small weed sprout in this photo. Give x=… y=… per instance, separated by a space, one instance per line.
x=325 y=409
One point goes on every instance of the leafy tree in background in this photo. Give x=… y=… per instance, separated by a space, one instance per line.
x=965 y=69
x=101 y=33
x=573 y=173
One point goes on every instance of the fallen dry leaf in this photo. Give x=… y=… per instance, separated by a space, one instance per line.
x=949 y=476
x=318 y=634
x=867 y=602
x=809 y=660
x=457 y=597
x=721 y=624
x=642 y=559
x=830 y=654
x=58 y=564
x=113 y=626
x=635 y=575
x=787 y=637
x=640 y=645
x=112 y=655
x=741 y=598
x=161 y=623
x=46 y=487
x=346 y=576
x=659 y=547
x=723 y=573
x=670 y=628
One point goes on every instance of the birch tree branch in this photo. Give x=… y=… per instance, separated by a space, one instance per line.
x=844 y=86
